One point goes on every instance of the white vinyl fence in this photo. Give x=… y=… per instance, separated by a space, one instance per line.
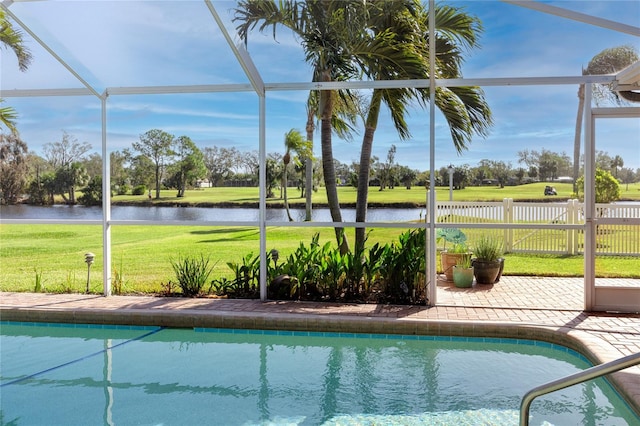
x=552 y=227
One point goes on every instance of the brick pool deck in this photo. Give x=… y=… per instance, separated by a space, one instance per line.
x=548 y=309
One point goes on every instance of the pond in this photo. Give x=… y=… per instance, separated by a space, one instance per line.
x=156 y=213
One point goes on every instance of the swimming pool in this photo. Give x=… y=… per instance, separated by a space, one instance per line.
x=90 y=375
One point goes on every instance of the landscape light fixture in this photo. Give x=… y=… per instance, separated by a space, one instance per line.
x=88 y=258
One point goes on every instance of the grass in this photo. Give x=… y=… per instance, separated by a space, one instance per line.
x=142 y=254
x=51 y=257
x=347 y=195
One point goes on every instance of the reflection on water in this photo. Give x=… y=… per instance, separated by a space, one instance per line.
x=235 y=377
x=156 y=213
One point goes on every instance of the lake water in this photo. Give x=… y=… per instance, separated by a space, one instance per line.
x=198 y=213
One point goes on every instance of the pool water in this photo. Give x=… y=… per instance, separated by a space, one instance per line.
x=86 y=375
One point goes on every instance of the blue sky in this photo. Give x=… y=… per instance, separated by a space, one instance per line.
x=141 y=43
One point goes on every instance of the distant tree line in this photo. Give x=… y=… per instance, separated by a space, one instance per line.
x=160 y=160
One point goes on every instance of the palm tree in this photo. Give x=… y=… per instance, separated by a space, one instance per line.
x=344 y=118
x=606 y=62
x=404 y=25
x=323 y=27
x=617 y=163
x=293 y=141
x=11 y=38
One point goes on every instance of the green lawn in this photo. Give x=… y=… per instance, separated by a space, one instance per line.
x=142 y=254
x=347 y=195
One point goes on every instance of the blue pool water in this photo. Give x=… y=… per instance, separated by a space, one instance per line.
x=54 y=374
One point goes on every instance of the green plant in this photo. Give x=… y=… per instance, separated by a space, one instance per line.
x=459 y=248
x=247 y=277
x=192 y=273
x=38 y=285
x=68 y=285
x=488 y=248
x=464 y=261
x=117 y=284
x=607 y=187
x=450 y=235
x=403 y=269
x=139 y=190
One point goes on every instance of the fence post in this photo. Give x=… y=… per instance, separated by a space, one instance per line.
x=507 y=214
x=571 y=233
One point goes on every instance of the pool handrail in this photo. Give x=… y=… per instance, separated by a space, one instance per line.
x=574 y=379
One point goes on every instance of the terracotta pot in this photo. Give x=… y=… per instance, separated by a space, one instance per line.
x=448 y=261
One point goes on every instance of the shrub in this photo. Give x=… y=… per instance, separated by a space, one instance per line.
x=139 y=190
x=607 y=187
x=192 y=273
x=124 y=189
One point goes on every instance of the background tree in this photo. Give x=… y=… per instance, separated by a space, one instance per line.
x=120 y=181
x=407 y=176
x=142 y=170
x=66 y=151
x=617 y=163
x=220 y=163
x=604 y=161
x=157 y=146
x=608 y=61
x=12 y=39
x=93 y=164
x=273 y=172
x=607 y=188
x=386 y=173
x=189 y=166
x=627 y=176
x=68 y=178
x=13 y=167
x=66 y=157
x=293 y=141
x=92 y=193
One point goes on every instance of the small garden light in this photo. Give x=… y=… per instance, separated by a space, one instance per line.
x=88 y=258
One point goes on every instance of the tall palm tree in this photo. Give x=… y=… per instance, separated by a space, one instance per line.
x=399 y=31
x=324 y=28
x=11 y=38
x=608 y=61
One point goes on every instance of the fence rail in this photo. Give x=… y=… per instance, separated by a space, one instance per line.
x=554 y=227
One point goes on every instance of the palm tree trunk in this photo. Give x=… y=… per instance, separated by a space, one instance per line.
x=157 y=182
x=363 y=184
x=331 y=186
x=284 y=184
x=578 y=136
x=308 y=163
x=362 y=199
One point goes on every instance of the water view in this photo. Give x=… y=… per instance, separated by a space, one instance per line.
x=157 y=213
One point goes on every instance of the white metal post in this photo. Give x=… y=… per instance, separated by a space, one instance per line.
x=589 y=202
x=262 y=179
x=106 y=203
x=431 y=196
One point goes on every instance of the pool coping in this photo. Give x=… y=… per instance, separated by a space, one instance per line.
x=314 y=317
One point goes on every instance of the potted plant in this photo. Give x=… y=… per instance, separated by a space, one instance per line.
x=463 y=272
x=459 y=248
x=488 y=262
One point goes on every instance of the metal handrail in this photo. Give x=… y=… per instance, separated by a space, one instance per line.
x=574 y=379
